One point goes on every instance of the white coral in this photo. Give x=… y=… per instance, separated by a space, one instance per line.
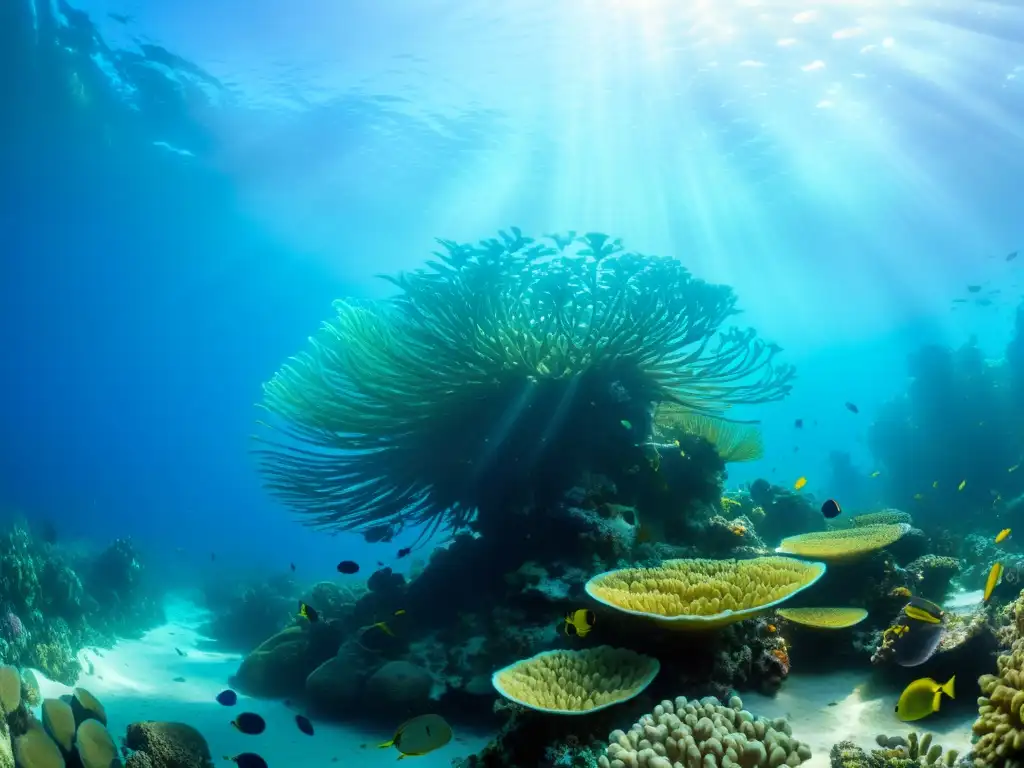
x=704 y=734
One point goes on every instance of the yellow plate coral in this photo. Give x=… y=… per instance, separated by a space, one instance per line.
x=704 y=594
x=576 y=682
x=843 y=544
x=824 y=618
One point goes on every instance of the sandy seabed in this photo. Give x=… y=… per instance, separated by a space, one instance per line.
x=147 y=679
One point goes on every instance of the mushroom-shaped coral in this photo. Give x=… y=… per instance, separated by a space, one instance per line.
x=96 y=748
x=10 y=689
x=843 y=544
x=59 y=722
x=35 y=749
x=882 y=517
x=576 y=682
x=1000 y=723
x=824 y=618
x=704 y=734
x=703 y=594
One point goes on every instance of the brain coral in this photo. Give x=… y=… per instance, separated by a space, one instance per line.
x=1000 y=723
x=704 y=734
x=699 y=594
x=576 y=682
x=843 y=544
x=824 y=618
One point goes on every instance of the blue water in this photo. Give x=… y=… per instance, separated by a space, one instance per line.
x=186 y=186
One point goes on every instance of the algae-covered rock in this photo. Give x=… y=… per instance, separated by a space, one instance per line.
x=277 y=667
x=334 y=686
x=399 y=683
x=6 y=747
x=166 y=745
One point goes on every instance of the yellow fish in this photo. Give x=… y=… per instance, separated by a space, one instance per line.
x=579 y=622
x=1003 y=535
x=918 y=497
x=935 y=484
x=626 y=423
x=876 y=473
x=993 y=581
x=420 y=736
x=922 y=697
x=1014 y=468
x=963 y=484
x=915 y=612
x=800 y=483
x=308 y=613
x=727 y=502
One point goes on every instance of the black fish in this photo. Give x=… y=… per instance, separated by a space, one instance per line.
x=250 y=723
x=308 y=612
x=180 y=652
x=227 y=697
x=293 y=567
x=831 y=509
x=973 y=288
x=248 y=760
x=852 y=408
x=404 y=552
x=799 y=423
x=179 y=680
x=917 y=643
x=983 y=302
x=1011 y=256
x=959 y=301
x=348 y=566
x=304 y=725
x=213 y=556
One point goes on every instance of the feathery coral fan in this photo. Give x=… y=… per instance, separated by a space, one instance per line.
x=495 y=375
x=732 y=440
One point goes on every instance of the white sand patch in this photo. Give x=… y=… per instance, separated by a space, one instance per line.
x=844 y=706
x=135 y=680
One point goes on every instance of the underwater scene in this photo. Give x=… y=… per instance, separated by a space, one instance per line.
x=542 y=384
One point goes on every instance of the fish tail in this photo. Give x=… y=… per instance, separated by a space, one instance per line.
x=386 y=744
x=948 y=688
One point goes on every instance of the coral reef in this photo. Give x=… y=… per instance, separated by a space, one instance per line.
x=576 y=682
x=824 y=618
x=53 y=602
x=844 y=543
x=704 y=734
x=894 y=752
x=1000 y=725
x=701 y=593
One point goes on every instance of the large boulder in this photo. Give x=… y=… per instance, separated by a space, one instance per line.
x=166 y=745
x=277 y=667
x=399 y=686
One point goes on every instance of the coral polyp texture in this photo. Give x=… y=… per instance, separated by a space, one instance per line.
x=704 y=734
x=882 y=517
x=843 y=544
x=1000 y=725
x=521 y=357
x=704 y=594
x=576 y=682
x=824 y=618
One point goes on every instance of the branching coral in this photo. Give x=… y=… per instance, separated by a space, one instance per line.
x=897 y=751
x=1000 y=723
x=524 y=359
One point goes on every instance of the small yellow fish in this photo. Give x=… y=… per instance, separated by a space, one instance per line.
x=579 y=622
x=800 y=483
x=675 y=443
x=1014 y=468
x=727 y=502
x=400 y=612
x=420 y=736
x=383 y=627
x=876 y=473
x=963 y=484
x=626 y=423
x=992 y=582
x=900 y=592
x=935 y=484
x=922 y=697
x=1003 y=535
x=918 y=497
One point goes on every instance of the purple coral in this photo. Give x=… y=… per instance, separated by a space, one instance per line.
x=12 y=627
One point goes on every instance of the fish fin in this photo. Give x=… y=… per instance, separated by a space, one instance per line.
x=937 y=700
x=386 y=744
x=948 y=688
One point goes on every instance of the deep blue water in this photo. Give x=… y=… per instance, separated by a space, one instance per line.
x=173 y=233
